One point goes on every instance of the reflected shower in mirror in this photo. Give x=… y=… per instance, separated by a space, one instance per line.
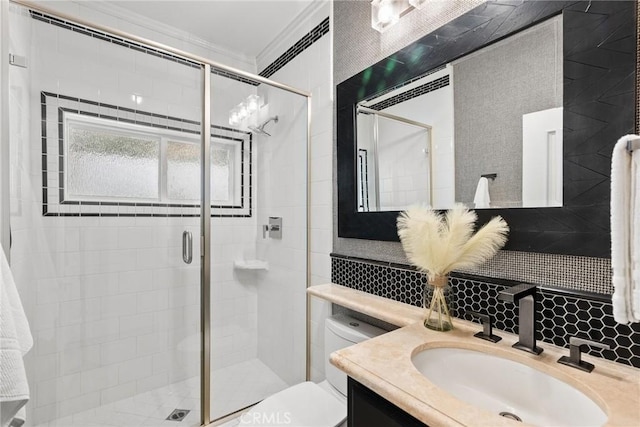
x=497 y=111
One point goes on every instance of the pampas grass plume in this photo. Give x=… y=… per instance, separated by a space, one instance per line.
x=439 y=243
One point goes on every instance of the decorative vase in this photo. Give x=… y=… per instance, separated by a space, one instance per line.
x=438 y=316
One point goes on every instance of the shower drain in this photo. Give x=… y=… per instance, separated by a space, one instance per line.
x=178 y=414
x=510 y=416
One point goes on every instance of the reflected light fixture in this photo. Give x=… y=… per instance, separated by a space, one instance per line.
x=136 y=98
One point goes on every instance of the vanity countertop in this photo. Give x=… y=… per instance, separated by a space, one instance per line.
x=383 y=364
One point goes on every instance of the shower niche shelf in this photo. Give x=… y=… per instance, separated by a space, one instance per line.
x=251 y=264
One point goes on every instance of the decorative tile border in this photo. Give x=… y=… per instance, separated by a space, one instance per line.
x=405 y=83
x=298 y=47
x=90 y=32
x=561 y=314
x=109 y=38
x=53 y=107
x=412 y=93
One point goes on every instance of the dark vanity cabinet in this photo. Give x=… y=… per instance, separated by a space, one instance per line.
x=368 y=409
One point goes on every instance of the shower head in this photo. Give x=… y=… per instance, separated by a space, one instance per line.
x=260 y=129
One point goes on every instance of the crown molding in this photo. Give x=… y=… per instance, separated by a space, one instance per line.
x=301 y=25
x=119 y=12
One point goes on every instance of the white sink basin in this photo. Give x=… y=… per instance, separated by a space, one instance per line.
x=500 y=385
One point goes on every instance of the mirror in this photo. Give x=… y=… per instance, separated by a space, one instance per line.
x=598 y=60
x=484 y=130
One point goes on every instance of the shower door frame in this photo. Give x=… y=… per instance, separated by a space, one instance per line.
x=205 y=211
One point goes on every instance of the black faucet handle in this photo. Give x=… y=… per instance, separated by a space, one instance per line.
x=514 y=293
x=575 y=353
x=577 y=341
x=487 y=327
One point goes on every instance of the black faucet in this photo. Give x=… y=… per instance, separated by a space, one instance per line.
x=524 y=295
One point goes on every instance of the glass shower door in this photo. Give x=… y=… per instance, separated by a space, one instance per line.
x=258 y=243
x=105 y=192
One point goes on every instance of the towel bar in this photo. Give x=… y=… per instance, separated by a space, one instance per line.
x=633 y=145
x=491 y=176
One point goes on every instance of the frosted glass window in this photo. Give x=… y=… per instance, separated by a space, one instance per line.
x=222 y=165
x=104 y=163
x=109 y=161
x=183 y=170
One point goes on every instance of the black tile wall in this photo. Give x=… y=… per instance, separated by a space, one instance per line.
x=560 y=314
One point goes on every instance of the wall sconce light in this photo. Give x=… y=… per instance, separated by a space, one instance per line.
x=244 y=111
x=385 y=13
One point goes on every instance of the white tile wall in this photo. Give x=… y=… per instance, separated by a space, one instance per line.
x=281 y=302
x=114 y=310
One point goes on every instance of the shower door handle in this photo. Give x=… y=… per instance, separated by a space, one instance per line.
x=187 y=247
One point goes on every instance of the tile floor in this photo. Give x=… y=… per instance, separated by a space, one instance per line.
x=233 y=388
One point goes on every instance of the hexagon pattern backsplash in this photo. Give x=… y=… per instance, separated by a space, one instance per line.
x=560 y=314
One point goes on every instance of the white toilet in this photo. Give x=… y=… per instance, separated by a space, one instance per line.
x=309 y=404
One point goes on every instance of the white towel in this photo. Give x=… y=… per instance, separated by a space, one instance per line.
x=625 y=231
x=15 y=342
x=482 y=199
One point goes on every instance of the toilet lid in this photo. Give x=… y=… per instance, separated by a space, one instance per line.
x=302 y=405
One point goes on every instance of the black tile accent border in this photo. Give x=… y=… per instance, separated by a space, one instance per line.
x=90 y=32
x=560 y=313
x=109 y=38
x=412 y=93
x=53 y=106
x=298 y=47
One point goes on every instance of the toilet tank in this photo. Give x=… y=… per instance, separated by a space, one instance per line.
x=342 y=331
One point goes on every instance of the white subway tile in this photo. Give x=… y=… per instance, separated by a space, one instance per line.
x=99 y=378
x=79 y=359
x=135 y=325
x=79 y=311
x=118 y=351
x=135 y=369
x=118 y=305
x=118 y=392
x=135 y=281
x=152 y=301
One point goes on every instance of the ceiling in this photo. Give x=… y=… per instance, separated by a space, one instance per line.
x=241 y=26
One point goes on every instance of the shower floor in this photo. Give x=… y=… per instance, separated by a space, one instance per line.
x=240 y=385
x=233 y=388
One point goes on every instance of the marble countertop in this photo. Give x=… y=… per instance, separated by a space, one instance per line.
x=383 y=364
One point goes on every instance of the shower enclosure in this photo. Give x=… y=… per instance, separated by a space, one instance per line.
x=137 y=215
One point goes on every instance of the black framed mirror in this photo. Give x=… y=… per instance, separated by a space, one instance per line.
x=599 y=106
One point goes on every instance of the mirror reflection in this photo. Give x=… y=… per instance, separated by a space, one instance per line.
x=484 y=130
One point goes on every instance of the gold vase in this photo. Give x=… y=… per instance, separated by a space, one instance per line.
x=438 y=316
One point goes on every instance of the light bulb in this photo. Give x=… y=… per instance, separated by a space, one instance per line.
x=253 y=103
x=385 y=13
x=242 y=110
